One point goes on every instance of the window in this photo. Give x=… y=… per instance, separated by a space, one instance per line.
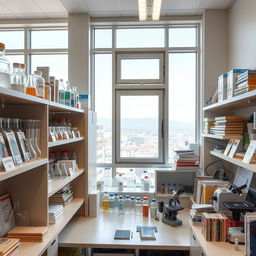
x=46 y=47
x=103 y=38
x=182 y=37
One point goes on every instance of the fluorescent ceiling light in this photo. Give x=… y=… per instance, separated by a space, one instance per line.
x=156 y=9
x=142 y=10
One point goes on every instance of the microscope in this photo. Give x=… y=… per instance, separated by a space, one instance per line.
x=170 y=210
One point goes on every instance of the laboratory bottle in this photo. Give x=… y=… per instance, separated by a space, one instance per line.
x=132 y=204
x=127 y=204
x=145 y=206
x=142 y=177
x=116 y=202
x=39 y=83
x=16 y=77
x=4 y=68
x=68 y=94
x=111 y=203
x=120 y=182
x=30 y=86
x=146 y=183
x=153 y=208
x=138 y=206
x=162 y=189
x=121 y=205
x=23 y=77
x=61 y=92
x=105 y=201
x=73 y=97
x=131 y=182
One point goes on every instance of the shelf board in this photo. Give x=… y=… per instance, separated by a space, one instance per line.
x=36 y=249
x=63 y=142
x=178 y=169
x=236 y=161
x=54 y=106
x=237 y=102
x=221 y=137
x=184 y=195
x=57 y=183
x=23 y=168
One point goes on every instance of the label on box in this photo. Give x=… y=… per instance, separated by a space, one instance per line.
x=8 y=163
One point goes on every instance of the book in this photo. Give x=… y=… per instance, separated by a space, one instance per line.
x=229 y=118
x=122 y=234
x=8 y=245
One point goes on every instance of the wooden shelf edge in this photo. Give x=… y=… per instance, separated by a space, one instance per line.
x=58 y=183
x=23 y=168
x=36 y=249
x=221 y=137
x=63 y=142
x=57 y=106
x=251 y=167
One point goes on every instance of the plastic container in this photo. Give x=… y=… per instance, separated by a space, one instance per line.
x=132 y=204
x=39 y=84
x=105 y=201
x=127 y=204
x=111 y=203
x=131 y=179
x=145 y=206
x=4 y=68
x=16 y=77
x=153 y=208
x=138 y=206
x=146 y=183
x=121 y=205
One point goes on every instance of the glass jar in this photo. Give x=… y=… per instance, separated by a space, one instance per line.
x=4 y=68
x=16 y=77
x=30 y=86
x=39 y=84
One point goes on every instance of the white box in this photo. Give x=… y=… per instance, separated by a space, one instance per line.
x=222 y=87
x=94 y=203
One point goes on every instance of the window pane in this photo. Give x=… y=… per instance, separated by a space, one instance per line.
x=12 y=39
x=45 y=39
x=103 y=38
x=103 y=106
x=139 y=126
x=140 y=69
x=182 y=37
x=139 y=37
x=15 y=58
x=58 y=64
x=182 y=92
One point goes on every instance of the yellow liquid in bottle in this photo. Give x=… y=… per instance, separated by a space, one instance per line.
x=31 y=91
x=105 y=205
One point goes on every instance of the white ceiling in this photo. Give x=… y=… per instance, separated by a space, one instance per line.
x=100 y=8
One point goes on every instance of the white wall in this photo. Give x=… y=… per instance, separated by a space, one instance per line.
x=242 y=34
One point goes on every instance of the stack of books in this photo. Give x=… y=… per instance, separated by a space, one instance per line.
x=62 y=197
x=8 y=246
x=28 y=234
x=197 y=210
x=214 y=227
x=186 y=158
x=245 y=82
x=228 y=125
x=55 y=212
x=69 y=251
x=208 y=124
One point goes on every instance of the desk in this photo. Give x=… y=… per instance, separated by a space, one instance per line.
x=99 y=233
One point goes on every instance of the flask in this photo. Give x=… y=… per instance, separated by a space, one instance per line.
x=132 y=204
x=105 y=202
x=30 y=86
x=127 y=204
x=138 y=206
x=39 y=84
x=61 y=92
x=121 y=205
x=16 y=77
x=153 y=208
x=145 y=206
x=111 y=203
x=4 y=68
x=23 y=77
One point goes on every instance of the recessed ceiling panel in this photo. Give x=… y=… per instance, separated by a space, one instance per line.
x=21 y=6
x=50 y=5
x=103 y=5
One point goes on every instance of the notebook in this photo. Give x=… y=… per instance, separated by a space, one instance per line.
x=122 y=234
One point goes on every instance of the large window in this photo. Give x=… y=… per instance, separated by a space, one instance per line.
x=144 y=83
x=38 y=47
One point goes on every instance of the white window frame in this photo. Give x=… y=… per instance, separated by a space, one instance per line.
x=155 y=92
x=139 y=55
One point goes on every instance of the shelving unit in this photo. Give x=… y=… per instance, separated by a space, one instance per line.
x=221 y=137
x=28 y=183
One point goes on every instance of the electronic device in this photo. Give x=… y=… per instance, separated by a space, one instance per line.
x=170 y=211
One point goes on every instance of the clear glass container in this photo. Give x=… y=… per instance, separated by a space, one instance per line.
x=116 y=202
x=127 y=203
x=63 y=169
x=62 y=90
x=4 y=68
x=153 y=208
x=57 y=170
x=68 y=94
x=145 y=206
x=16 y=77
x=138 y=206
x=105 y=201
x=29 y=136
x=121 y=205
x=39 y=84
x=72 y=155
x=30 y=85
x=23 y=78
x=111 y=203
x=132 y=204
x=64 y=155
x=35 y=127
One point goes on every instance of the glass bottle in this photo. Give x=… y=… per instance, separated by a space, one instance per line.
x=116 y=202
x=145 y=206
x=64 y=155
x=146 y=183
x=61 y=92
x=68 y=94
x=105 y=202
x=4 y=68
x=132 y=204
x=77 y=97
x=138 y=206
x=111 y=203
x=23 y=77
x=3 y=148
x=73 y=97
x=57 y=170
x=64 y=170
x=121 y=205
x=52 y=158
x=29 y=136
x=153 y=208
x=36 y=137
x=16 y=77
x=127 y=204
x=39 y=84
x=30 y=86
x=162 y=190
x=72 y=155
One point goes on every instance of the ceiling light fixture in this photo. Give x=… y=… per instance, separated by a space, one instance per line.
x=142 y=10
x=156 y=9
